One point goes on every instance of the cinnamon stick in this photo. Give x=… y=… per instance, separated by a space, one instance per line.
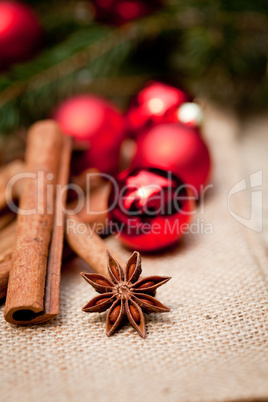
x=6 y=173
x=32 y=267
x=87 y=244
x=7 y=240
x=95 y=209
x=82 y=182
x=98 y=202
x=4 y=273
x=52 y=299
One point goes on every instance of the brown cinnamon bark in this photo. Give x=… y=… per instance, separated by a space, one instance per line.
x=52 y=296
x=82 y=182
x=98 y=201
x=7 y=240
x=88 y=245
x=30 y=291
x=95 y=209
x=4 y=273
x=6 y=173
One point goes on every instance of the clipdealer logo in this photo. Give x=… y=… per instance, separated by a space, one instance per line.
x=255 y=221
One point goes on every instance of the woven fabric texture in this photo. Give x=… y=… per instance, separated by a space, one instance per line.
x=212 y=346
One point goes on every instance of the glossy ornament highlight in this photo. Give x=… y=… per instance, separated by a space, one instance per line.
x=20 y=33
x=178 y=148
x=149 y=209
x=98 y=126
x=157 y=103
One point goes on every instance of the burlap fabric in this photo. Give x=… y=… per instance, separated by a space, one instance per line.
x=212 y=346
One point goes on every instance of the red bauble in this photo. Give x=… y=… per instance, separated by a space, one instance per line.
x=178 y=148
x=119 y=12
x=149 y=209
x=96 y=123
x=20 y=33
x=155 y=104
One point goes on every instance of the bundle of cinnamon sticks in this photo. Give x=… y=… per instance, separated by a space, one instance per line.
x=31 y=245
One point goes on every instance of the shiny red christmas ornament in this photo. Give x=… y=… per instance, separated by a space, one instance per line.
x=157 y=103
x=20 y=33
x=149 y=208
x=178 y=148
x=118 y=12
x=97 y=125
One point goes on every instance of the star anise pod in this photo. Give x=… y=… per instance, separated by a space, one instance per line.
x=125 y=295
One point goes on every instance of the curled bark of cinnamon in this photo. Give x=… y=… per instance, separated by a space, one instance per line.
x=33 y=286
x=7 y=240
x=4 y=274
x=82 y=182
x=6 y=173
x=98 y=203
x=87 y=244
x=95 y=208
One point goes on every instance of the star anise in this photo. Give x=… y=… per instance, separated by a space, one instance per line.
x=125 y=295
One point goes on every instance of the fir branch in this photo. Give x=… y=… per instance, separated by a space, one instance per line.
x=218 y=48
x=101 y=41
x=99 y=51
